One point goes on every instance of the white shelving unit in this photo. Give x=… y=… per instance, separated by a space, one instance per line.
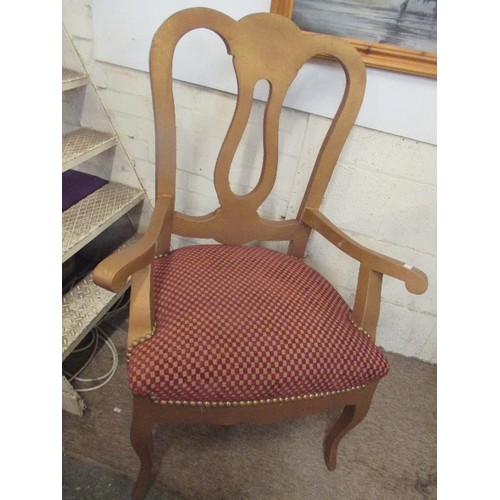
x=82 y=222
x=82 y=309
x=84 y=305
x=73 y=79
x=84 y=144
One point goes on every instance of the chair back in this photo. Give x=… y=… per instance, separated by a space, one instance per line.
x=264 y=47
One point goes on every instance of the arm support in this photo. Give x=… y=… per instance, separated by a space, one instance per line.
x=373 y=266
x=114 y=271
x=415 y=280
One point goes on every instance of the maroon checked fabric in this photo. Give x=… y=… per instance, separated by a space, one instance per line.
x=241 y=323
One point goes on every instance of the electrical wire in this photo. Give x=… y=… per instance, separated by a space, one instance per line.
x=98 y=334
x=107 y=376
x=91 y=357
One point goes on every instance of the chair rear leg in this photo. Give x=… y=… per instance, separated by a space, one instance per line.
x=351 y=416
x=141 y=437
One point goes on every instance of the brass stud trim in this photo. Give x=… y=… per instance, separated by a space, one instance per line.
x=229 y=404
x=359 y=328
x=143 y=339
x=160 y=255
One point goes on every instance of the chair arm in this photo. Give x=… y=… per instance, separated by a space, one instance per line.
x=415 y=280
x=114 y=271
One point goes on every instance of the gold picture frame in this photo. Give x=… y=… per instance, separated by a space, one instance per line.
x=380 y=55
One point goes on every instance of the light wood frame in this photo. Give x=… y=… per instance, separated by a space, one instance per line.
x=379 y=55
x=256 y=43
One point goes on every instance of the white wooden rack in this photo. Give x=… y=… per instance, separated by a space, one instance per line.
x=84 y=305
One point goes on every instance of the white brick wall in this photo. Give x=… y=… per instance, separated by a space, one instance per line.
x=383 y=192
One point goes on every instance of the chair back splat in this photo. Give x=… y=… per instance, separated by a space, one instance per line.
x=256 y=44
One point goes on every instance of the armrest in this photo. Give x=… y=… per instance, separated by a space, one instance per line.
x=415 y=280
x=114 y=271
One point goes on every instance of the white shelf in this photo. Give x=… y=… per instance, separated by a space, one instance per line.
x=73 y=79
x=91 y=216
x=82 y=309
x=83 y=144
x=84 y=306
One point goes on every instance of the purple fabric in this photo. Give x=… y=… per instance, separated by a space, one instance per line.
x=76 y=186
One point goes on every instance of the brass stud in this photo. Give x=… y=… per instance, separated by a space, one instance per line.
x=256 y=402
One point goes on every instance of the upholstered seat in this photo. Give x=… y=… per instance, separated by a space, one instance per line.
x=239 y=323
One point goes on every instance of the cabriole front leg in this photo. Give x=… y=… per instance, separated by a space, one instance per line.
x=351 y=416
x=141 y=437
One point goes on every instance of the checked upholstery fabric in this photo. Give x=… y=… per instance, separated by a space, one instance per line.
x=242 y=323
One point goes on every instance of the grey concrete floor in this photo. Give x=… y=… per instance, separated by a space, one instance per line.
x=84 y=479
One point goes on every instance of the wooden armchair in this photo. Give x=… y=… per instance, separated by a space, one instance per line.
x=228 y=333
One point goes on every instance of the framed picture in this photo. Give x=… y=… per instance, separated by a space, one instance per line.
x=397 y=35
